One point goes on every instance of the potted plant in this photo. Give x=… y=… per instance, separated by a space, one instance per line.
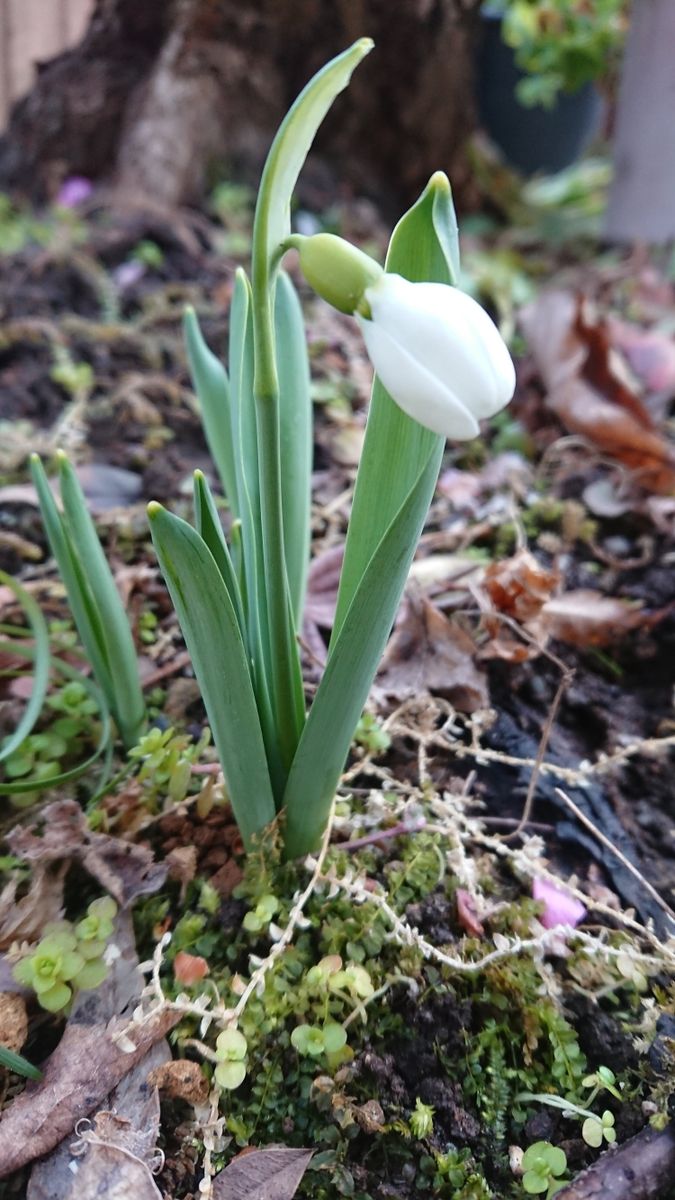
x=537 y=68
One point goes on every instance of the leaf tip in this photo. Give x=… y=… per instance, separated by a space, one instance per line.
x=439 y=182
x=154 y=509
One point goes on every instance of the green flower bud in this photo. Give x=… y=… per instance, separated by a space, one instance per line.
x=338 y=271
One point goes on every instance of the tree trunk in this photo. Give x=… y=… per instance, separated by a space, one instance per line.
x=160 y=90
x=641 y=204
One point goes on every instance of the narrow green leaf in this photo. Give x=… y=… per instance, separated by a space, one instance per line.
x=252 y=576
x=396 y=449
x=40 y=680
x=19 y=787
x=18 y=1064
x=79 y=595
x=245 y=440
x=344 y=688
x=211 y=631
x=295 y=428
x=126 y=698
x=209 y=528
x=212 y=386
x=293 y=140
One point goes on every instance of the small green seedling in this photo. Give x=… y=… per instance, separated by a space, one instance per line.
x=259 y=917
x=595 y=1130
x=231 y=1050
x=422 y=1119
x=543 y=1164
x=69 y=959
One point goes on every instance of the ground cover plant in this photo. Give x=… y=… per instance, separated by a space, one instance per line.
x=421 y=1006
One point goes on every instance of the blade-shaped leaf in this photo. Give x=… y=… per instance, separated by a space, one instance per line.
x=344 y=688
x=209 y=528
x=246 y=461
x=79 y=596
x=293 y=140
x=212 y=386
x=211 y=631
x=18 y=1064
x=40 y=679
x=423 y=247
x=126 y=700
x=295 y=428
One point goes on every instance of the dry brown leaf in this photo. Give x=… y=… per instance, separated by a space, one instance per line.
x=650 y=353
x=188 y=969
x=605 y=368
x=561 y=354
x=86 y=1065
x=428 y=653
x=87 y=1070
x=273 y=1173
x=124 y=869
x=587 y=618
x=113 y=1173
x=520 y=585
x=467 y=913
x=24 y=920
x=323 y=578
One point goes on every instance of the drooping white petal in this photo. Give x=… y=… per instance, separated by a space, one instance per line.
x=420 y=394
x=447 y=332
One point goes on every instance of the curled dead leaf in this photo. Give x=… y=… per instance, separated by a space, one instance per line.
x=519 y=586
x=612 y=418
x=24 y=920
x=124 y=869
x=587 y=618
x=429 y=653
x=272 y=1173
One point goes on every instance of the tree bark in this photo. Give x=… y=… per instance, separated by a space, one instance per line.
x=159 y=90
x=642 y=1169
x=641 y=202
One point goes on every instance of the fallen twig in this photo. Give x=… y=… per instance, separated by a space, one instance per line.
x=643 y=1168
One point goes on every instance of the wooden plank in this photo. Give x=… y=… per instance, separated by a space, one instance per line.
x=5 y=62
x=78 y=13
x=35 y=34
x=32 y=31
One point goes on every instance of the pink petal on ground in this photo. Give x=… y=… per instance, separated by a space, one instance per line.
x=74 y=191
x=467 y=914
x=560 y=908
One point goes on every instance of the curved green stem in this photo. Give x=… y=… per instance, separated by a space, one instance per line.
x=286 y=682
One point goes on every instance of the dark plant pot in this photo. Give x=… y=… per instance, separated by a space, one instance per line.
x=531 y=139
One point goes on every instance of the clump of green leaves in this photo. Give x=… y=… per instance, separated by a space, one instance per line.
x=422 y=1119
x=562 y=44
x=543 y=1164
x=166 y=758
x=258 y=918
x=69 y=959
x=371 y=735
x=43 y=755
